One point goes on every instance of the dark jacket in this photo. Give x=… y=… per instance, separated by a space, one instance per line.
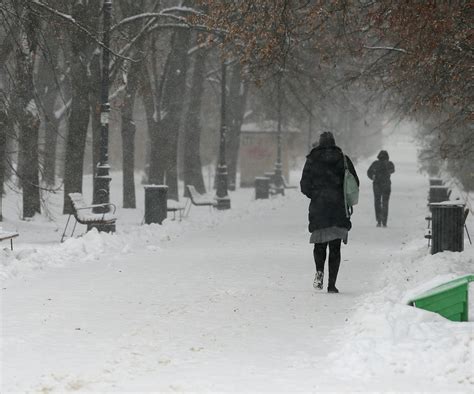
x=322 y=182
x=380 y=170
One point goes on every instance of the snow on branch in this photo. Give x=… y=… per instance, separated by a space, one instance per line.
x=68 y=18
x=165 y=13
x=387 y=49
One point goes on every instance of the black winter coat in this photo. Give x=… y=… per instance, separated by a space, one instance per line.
x=379 y=172
x=322 y=181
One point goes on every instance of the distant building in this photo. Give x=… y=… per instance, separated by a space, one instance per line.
x=258 y=150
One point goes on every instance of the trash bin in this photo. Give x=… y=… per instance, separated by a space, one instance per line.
x=438 y=194
x=447 y=226
x=262 y=187
x=155 y=203
x=270 y=175
x=436 y=182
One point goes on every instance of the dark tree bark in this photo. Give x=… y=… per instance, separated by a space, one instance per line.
x=95 y=105
x=47 y=86
x=26 y=113
x=135 y=77
x=164 y=161
x=236 y=110
x=3 y=148
x=192 y=127
x=80 y=105
x=128 y=136
x=146 y=91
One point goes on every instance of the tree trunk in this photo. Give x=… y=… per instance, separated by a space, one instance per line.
x=3 y=149
x=29 y=132
x=149 y=104
x=128 y=136
x=192 y=127
x=76 y=140
x=47 y=85
x=26 y=113
x=95 y=105
x=158 y=143
x=236 y=110
x=174 y=85
x=51 y=126
x=82 y=52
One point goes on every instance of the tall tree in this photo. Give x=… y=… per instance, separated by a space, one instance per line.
x=236 y=109
x=26 y=110
x=3 y=147
x=164 y=154
x=128 y=135
x=192 y=127
x=47 y=83
x=82 y=50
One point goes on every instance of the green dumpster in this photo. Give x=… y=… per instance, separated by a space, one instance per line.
x=450 y=299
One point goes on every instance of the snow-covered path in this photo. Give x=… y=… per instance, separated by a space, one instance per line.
x=227 y=307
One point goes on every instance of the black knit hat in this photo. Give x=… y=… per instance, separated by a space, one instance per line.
x=383 y=155
x=327 y=139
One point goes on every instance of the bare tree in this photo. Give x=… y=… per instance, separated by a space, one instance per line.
x=82 y=52
x=192 y=126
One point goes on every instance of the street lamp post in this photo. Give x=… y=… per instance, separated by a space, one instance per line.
x=222 y=197
x=278 y=179
x=102 y=177
x=310 y=125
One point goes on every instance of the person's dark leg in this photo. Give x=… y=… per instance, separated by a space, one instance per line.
x=319 y=254
x=385 y=201
x=378 y=204
x=334 y=262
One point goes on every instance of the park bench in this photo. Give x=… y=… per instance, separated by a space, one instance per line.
x=84 y=215
x=5 y=235
x=175 y=207
x=199 y=200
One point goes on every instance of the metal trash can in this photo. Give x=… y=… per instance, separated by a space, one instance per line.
x=436 y=182
x=262 y=187
x=447 y=226
x=156 y=197
x=270 y=175
x=438 y=194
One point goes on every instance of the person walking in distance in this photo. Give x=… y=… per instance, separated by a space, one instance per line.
x=379 y=172
x=322 y=181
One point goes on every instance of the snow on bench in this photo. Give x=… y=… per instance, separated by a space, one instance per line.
x=79 y=207
x=198 y=199
x=5 y=235
x=83 y=213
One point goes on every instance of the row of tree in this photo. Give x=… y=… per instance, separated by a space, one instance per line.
x=343 y=65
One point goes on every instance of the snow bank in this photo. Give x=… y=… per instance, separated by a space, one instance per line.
x=30 y=257
x=386 y=337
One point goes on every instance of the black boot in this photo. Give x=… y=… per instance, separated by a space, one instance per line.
x=332 y=289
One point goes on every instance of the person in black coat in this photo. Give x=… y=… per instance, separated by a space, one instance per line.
x=379 y=172
x=322 y=182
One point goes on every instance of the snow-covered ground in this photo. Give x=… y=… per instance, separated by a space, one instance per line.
x=224 y=301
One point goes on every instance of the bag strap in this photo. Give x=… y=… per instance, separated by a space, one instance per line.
x=349 y=210
x=345 y=161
